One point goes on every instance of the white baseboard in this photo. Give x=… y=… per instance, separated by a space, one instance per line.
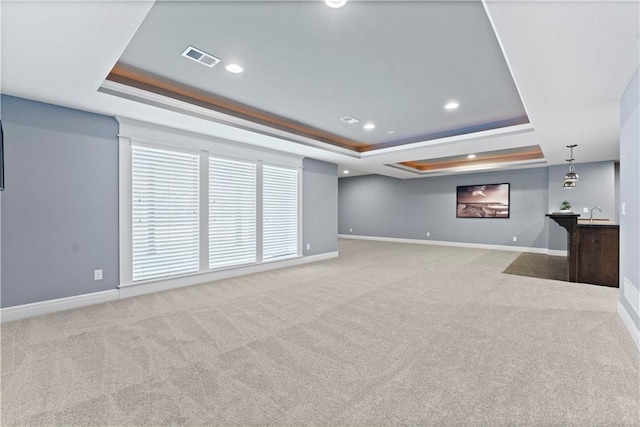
x=630 y=294
x=18 y=312
x=134 y=289
x=628 y=322
x=24 y=311
x=554 y=252
x=443 y=243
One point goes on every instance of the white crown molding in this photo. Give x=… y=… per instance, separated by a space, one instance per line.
x=137 y=130
x=508 y=130
x=487 y=167
x=153 y=99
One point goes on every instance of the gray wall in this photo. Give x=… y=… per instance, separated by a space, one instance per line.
x=60 y=209
x=319 y=207
x=630 y=192
x=60 y=206
x=1 y=193
x=616 y=169
x=597 y=187
x=380 y=206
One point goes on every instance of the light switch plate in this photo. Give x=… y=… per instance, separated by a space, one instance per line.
x=97 y=274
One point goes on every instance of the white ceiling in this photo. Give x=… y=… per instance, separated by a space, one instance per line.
x=352 y=172
x=570 y=60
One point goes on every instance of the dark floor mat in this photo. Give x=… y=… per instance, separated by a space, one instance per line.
x=539 y=265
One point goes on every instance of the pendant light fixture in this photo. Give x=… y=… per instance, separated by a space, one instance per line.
x=571 y=177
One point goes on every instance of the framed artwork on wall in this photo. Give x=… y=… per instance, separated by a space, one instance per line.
x=483 y=201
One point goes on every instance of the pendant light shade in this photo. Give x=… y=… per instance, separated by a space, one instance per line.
x=571 y=177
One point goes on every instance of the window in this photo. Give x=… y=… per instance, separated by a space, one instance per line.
x=280 y=212
x=192 y=207
x=232 y=213
x=165 y=205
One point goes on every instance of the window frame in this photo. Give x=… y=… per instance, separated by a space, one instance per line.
x=255 y=208
x=298 y=213
x=179 y=150
x=158 y=136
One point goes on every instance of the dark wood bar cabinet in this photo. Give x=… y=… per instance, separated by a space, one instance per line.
x=592 y=250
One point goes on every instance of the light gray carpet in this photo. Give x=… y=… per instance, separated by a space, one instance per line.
x=387 y=334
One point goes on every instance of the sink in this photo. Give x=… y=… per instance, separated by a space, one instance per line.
x=596 y=221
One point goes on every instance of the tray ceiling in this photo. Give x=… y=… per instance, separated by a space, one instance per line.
x=476 y=161
x=571 y=61
x=306 y=66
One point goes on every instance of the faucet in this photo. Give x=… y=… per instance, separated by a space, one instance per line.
x=591 y=215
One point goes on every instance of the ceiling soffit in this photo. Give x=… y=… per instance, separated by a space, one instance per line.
x=484 y=160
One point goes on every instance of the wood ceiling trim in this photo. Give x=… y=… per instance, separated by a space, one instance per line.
x=145 y=81
x=480 y=160
x=136 y=78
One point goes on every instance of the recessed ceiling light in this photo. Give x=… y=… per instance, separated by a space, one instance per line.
x=451 y=105
x=391 y=131
x=345 y=172
x=335 y=3
x=471 y=156
x=234 y=68
x=369 y=126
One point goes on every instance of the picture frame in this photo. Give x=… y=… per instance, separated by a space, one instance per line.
x=483 y=201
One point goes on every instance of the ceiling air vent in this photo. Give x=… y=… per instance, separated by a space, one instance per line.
x=349 y=119
x=200 y=56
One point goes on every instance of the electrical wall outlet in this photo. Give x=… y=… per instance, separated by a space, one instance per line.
x=515 y=238
x=623 y=209
x=308 y=246
x=428 y=234
x=97 y=274
x=351 y=230
x=585 y=210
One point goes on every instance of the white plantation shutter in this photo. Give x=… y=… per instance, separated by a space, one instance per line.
x=280 y=212
x=165 y=202
x=232 y=213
